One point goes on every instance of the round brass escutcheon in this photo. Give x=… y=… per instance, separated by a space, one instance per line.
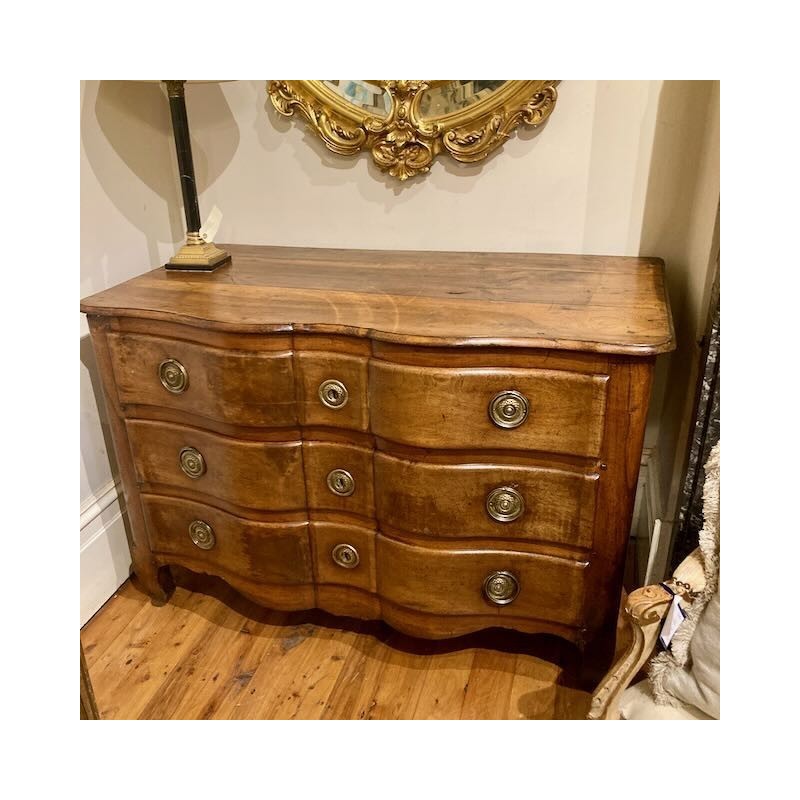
x=341 y=482
x=173 y=375
x=192 y=462
x=333 y=394
x=508 y=409
x=202 y=534
x=501 y=588
x=345 y=555
x=505 y=504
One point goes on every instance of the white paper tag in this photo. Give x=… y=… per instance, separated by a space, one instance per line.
x=209 y=230
x=675 y=616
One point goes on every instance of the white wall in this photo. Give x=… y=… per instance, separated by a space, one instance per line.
x=681 y=225
x=584 y=183
x=129 y=220
x=576 y=185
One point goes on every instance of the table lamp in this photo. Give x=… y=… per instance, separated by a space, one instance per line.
x=196 y=253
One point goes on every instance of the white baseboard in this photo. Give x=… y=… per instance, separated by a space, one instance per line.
x=647 y=526
x=105 y=557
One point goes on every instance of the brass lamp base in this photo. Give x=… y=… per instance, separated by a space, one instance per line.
x=198 y=254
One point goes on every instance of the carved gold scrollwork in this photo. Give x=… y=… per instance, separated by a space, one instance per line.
x=474 y=145
x=340 y=136
x=404 y=143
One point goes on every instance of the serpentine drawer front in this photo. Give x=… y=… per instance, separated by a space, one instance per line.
x=237 y=387
x=446 y=441
x=517 y=409
x=507 y=501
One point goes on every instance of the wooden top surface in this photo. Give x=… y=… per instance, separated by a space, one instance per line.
x=608 y=304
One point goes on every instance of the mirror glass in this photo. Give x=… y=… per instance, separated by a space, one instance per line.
x=450 y=96
x=372 y=98
x=444 y=97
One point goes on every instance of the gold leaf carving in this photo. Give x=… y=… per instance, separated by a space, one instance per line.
x=404 y=143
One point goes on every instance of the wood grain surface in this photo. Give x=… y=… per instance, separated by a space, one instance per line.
x=156 y=581
x=321 y=458
x=449 y=408
x=449 y=500
x=260 y=551
x=210 y=654
x=629 y=396
x=315 y=367
x=450 y=583
x=324 y=537
x=259 y=475
x=608 y=304
x=238 y=387
x=423 y=342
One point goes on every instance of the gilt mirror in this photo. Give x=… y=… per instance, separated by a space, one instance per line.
x=406 y=124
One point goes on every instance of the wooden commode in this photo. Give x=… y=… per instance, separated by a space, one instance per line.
x=446 y=441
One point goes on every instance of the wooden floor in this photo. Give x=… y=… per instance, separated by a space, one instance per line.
x=211 y=654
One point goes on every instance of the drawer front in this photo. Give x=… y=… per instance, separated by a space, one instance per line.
x=237 y=387
x=258 y=551
x=548 y=410
x=332 y=390
x=259 y=475
x=344 y=555
x=509 y=501
x=452 y=582
x=339 y=477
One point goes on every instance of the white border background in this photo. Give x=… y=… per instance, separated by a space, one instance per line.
x=752 y=51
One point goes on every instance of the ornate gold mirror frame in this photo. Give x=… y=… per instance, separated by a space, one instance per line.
x=404 y=143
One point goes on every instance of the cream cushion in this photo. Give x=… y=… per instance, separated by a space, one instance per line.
x=692 y=691
x=698 y=685
x=638 y=703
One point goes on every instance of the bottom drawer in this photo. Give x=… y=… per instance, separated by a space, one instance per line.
x=481 y=582
x=276 y=553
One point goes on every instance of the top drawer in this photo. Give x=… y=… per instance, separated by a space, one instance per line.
x=234 y=386
x=520 y=409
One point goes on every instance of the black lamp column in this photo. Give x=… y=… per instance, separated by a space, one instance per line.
x=196 y=254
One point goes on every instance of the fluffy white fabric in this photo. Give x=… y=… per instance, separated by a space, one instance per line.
x=698 y=685
x=688 y=673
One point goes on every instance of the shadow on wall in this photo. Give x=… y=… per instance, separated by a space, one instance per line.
x=134 y=119
x=91 y=448
x=677 y=226
x=338 y=169
x=89 y=361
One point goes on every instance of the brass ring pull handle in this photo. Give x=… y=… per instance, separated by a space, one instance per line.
x=501 y=588
x=341 y=482
x=173 y=375
x=192 y=462
x=333 y=394
x=345 y=555
x=202 y=534
x=505 y=504
x=508 y=409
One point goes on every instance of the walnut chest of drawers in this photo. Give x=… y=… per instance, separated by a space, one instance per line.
x=445 y=441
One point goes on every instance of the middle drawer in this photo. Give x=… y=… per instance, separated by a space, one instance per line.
x=493 y=500
x=263 y=476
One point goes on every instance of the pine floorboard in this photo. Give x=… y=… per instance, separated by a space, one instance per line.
x=211 y=654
